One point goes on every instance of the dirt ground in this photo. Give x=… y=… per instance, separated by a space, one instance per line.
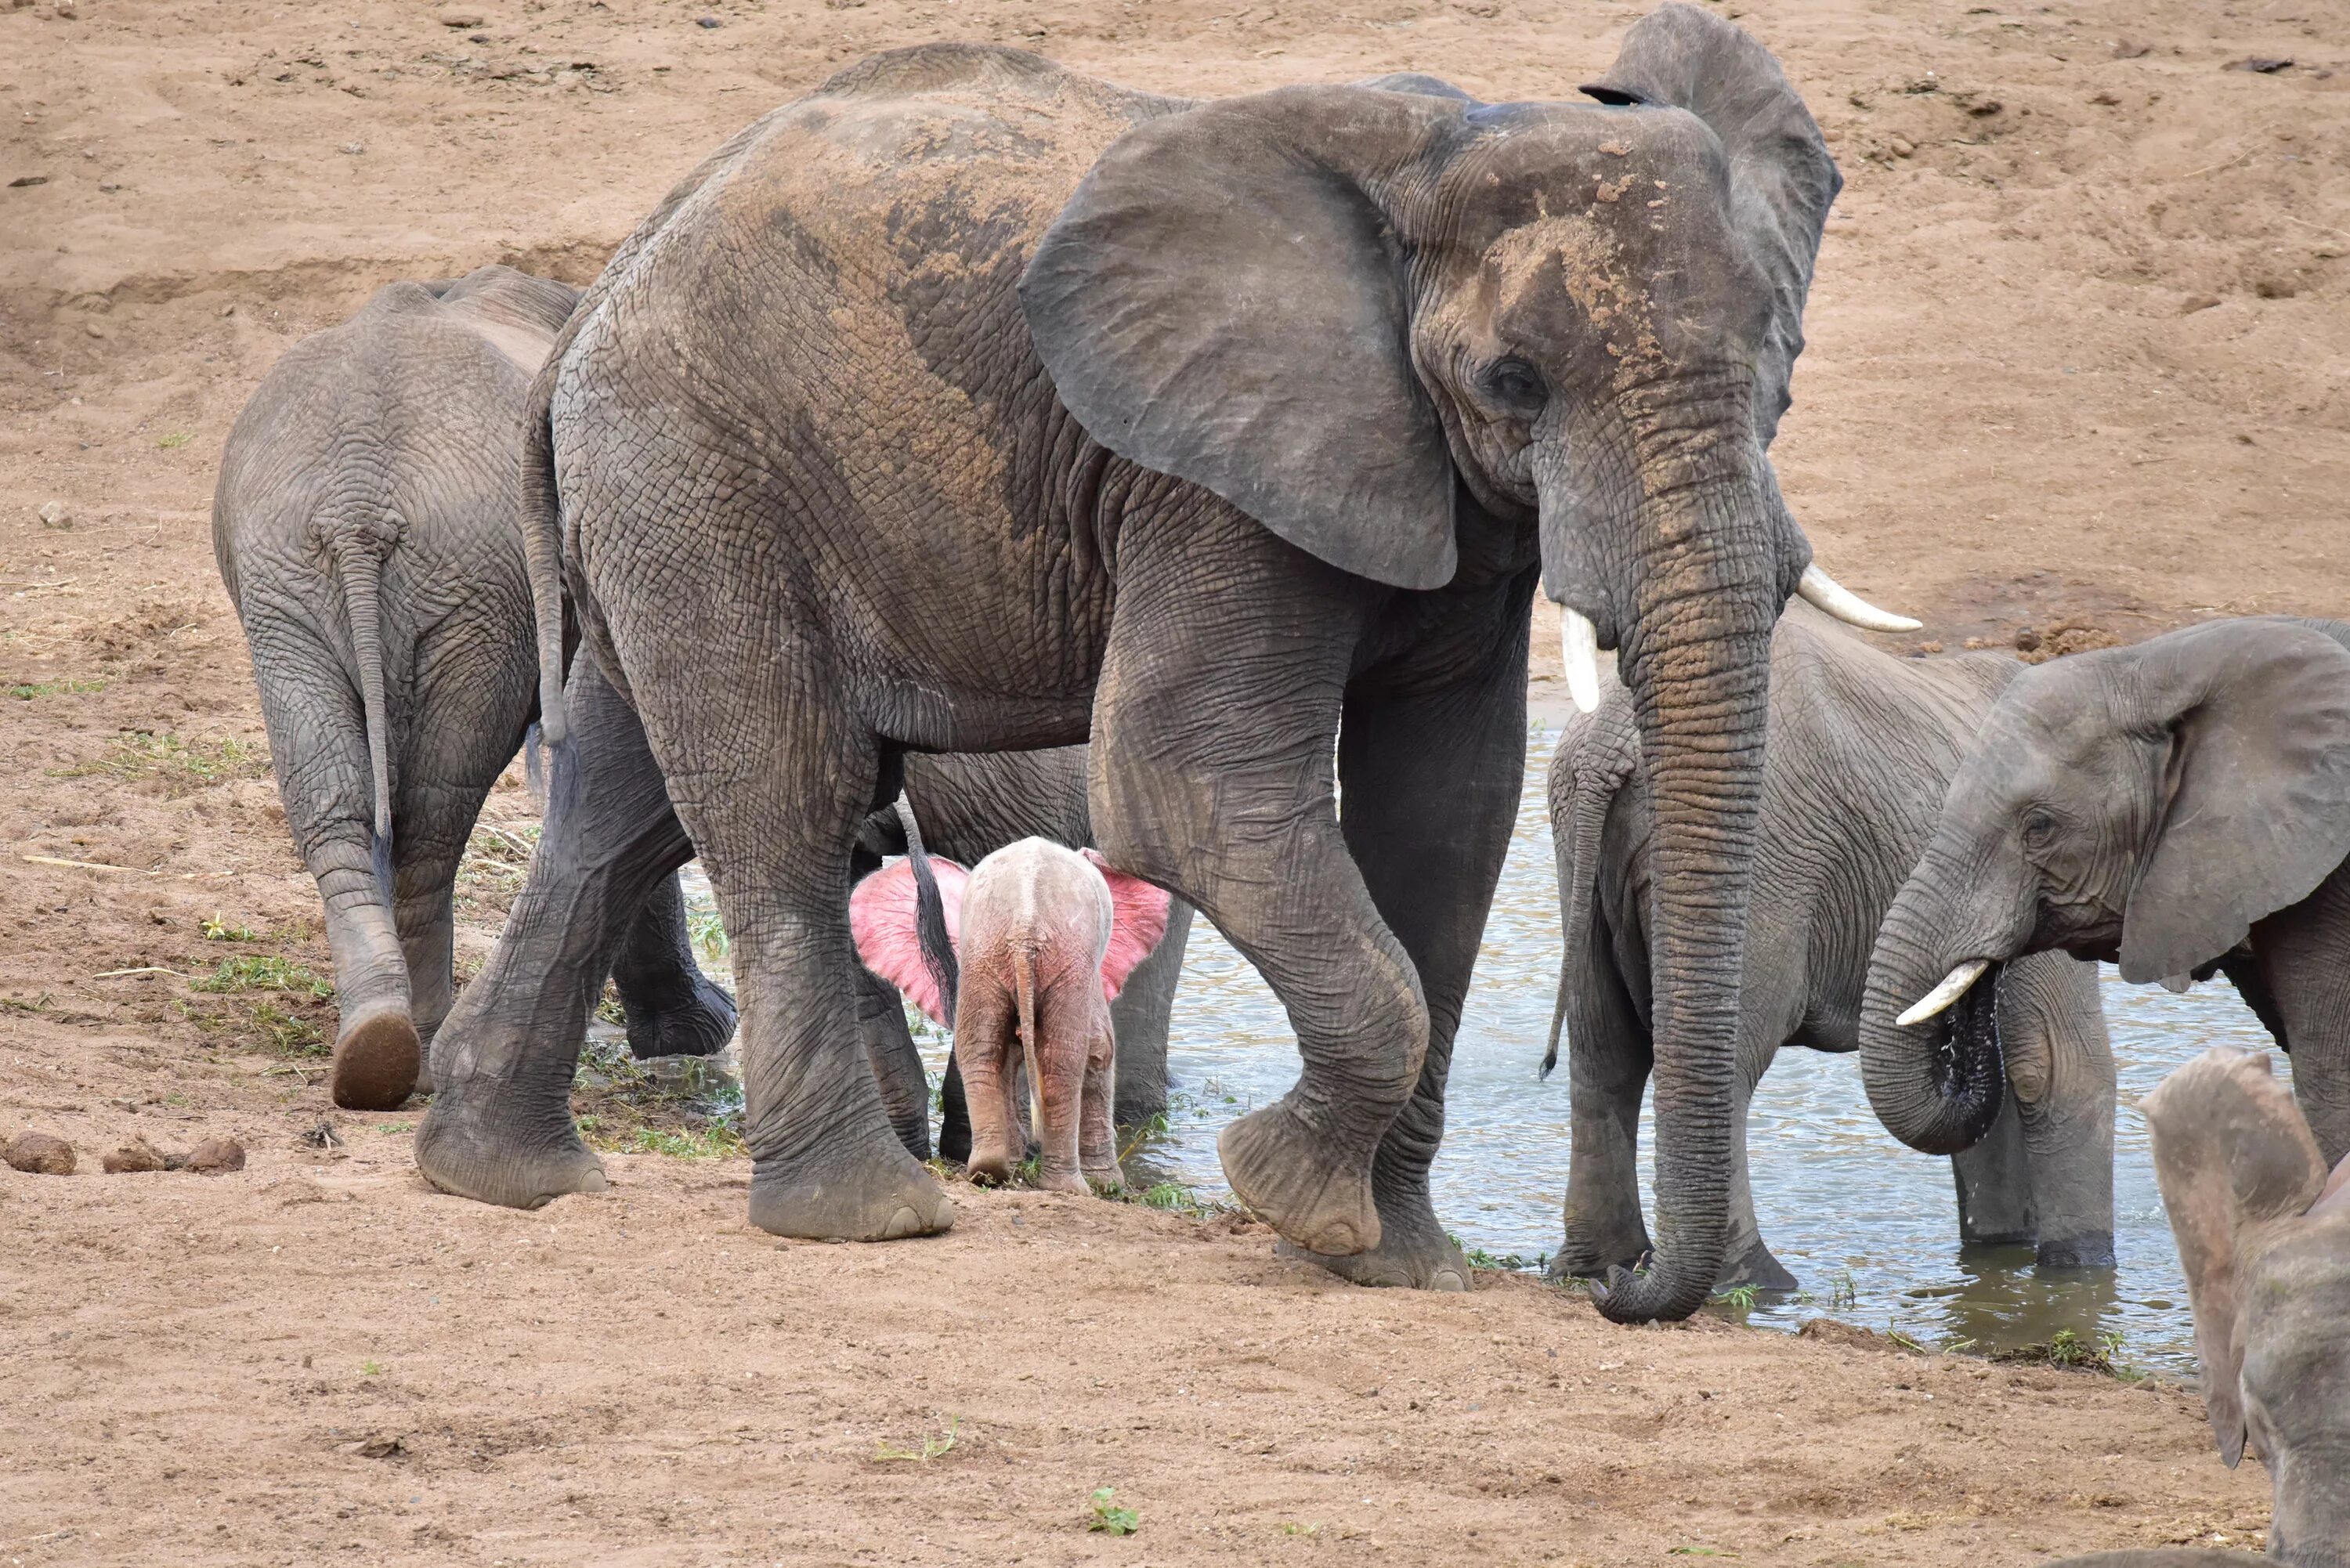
x=2079 y=368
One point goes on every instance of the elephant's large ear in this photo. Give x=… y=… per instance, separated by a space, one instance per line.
x=2258 y=779
x=881 y=917
x=1781 y=178
x=1137 y=921
x=2230 y=1150
x=1222 y=300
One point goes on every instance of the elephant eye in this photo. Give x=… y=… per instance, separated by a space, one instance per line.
x=2039 y=827
x=1515 y=385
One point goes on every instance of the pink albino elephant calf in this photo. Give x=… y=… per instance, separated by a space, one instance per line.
x=1041 y=938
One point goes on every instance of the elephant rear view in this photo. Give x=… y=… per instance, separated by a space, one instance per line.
x=364 y=526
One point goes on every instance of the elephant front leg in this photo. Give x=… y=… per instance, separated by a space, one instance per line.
x=1141 y=1015
x=1210 y=774
x=896 y=1061
x=2302 y=957
x=2062 y=1085
x=499 y=1125
x=673 y=1008
x=1097 y=1134
x=1608 y=1057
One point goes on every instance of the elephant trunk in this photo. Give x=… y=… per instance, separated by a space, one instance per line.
x=1936 y=1084
x=1695 y=652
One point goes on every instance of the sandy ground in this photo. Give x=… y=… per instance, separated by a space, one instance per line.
x=2079 y=366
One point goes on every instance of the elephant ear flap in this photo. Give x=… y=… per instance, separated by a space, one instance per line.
x=2231 y=1151
x=2258 y=784
x=1782 y=177
x=881 y=917
x=1222 y=300
x=1137 y=920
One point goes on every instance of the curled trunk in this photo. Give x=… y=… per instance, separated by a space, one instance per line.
x=1937 y=1086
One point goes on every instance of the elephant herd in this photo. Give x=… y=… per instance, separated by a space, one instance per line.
x=973 y=454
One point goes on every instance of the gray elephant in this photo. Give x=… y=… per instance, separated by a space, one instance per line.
x=1861 y=746
x=364 y=524
x=971 y=404
x=2265 y=1240
x=2182 y=807
x=966 y=808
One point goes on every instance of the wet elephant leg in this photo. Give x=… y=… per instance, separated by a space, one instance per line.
x=1431 y=756
x=2062 y=1085
x=673 y=1008
x=954 y=1112
x=1141 y=1017
x=897 y=1062
x=1994 y=1187
x=1609 y=1059
x=1746 y=1260
x=500 y=1127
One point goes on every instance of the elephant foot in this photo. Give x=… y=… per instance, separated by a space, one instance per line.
x=1753 y=1264
x=871 y=1192
x=699 y=1026
x=469 y=1143
x=1110 y=1178
x=2090 y=1250
x=377 y=1059
x=1586 y=1254
x=1288 y=1175
x=1413 y=1253
x=1062 y=1181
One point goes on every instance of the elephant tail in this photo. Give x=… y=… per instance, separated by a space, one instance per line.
x=361 y=570
x=540 y=514
x=1024 y=999
x=1594 y=763
x=931 y=915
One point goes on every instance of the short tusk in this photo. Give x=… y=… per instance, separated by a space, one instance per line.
x=1938 y=999
x=1820 y=589
x=1578 y=644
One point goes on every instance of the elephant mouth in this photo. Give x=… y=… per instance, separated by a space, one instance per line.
x=1964 y=1061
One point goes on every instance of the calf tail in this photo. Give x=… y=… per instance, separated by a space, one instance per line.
x=363 y=578
x=1023 y=996
x=930 y=915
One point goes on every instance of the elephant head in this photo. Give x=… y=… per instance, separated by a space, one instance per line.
x=2140 y=805
x=2265 y=1240
x=1356 y=312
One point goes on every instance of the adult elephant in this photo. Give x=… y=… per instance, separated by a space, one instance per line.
x=2180 y=807
x=967 y=807
x=970 y=404
x=1861 y=747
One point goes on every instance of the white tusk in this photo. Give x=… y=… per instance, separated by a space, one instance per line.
x=1954 y=986
x=1578 y=645
x=1819 y=589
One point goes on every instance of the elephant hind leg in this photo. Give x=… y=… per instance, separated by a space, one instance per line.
x=673 y=1008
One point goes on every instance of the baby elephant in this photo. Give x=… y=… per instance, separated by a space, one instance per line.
x=2265 y=1240
x=1038 y=939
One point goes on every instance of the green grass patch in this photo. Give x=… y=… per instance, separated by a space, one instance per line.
x=623 y=1108
x=263 y=972
x=25 y=691
x=491 y=870
x=929 y=1448
x=174 y=441
x=182 y=765
x=216 y=928
x=2066 y=1348
x=1107 y=1517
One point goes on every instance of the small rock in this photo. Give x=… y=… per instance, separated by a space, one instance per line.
x=2129 y=48
x=706 y=21
x=67 y=10
x=38 y=1154
x=21 y=180
x=2260 y=65
x=458 y=18
x=2195 y=302
x=2027 y=640
x=2275 y=288
x=383 y=1448
x=1984 y=107
x=227 y=311
x=53 y=515
x=138 y=1155
x=2104 y=99
x=96 y=328
x=1901 y=147
x=354 y=147
x=216 y=1155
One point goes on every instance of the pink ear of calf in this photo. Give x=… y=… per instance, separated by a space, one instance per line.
x=882 y=917
x=1137 y=920
x=2338 y=1190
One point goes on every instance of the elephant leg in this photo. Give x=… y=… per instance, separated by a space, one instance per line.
x=1746 y=1260
x=1994 y=1186
x=954 y=1111
x=673 y=1008
x=1139 y=1018
x=500 y=1128
x=987 y=1040
x=1431 y=756
x=1096 y=1137
x=317 y=743
x=2303 y=958
x=1609 y=1059
x=776 y=801
x=1211 y=774
x=2061 y=1074
x=896 y=1061
x=424 y=882
x=1068 y=1010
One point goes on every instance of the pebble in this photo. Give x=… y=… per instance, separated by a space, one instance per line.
x=53 y=515
x=1901 y=147
x=96 y=328
x=38 y=1154
x=458 y=18
x=135 y=1156
x=217 y=1156
x=2195 y=302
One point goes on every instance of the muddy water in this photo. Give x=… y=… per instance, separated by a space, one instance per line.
x=1868 y=1226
